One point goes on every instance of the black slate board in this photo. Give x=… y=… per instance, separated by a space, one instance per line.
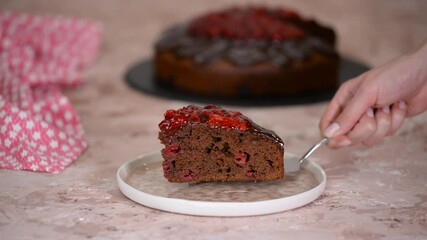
x=140 y=77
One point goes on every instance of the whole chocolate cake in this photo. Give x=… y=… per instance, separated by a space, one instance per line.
x=204 y=144
x=247 y=52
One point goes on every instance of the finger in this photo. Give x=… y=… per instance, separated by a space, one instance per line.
x=355 y=110
x=331 y=112
x=383 y=124
x=341 y=98
x=339 y=142
x=398 y=113
x=364 y=128
x=415 y=107
x=363 y=98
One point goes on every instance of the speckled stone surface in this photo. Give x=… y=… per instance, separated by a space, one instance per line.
x=375 y=193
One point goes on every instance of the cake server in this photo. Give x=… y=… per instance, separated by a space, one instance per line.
x=293 y=164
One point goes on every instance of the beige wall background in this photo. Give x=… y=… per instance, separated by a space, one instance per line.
x=370 y=31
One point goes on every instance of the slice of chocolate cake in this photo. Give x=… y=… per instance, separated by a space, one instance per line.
x=204 y=144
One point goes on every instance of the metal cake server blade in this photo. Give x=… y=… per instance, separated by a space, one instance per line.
x=293 y=164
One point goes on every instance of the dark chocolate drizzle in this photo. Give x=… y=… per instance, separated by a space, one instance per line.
x=241 y=53
x=257 y=129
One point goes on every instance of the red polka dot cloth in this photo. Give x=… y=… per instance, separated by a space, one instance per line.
x=39 y=56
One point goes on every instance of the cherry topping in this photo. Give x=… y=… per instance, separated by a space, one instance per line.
x=248 y=23
x=213 y=115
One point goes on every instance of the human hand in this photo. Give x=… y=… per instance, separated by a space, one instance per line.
x=374 y=105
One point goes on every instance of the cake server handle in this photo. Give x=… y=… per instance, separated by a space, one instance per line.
x=312 y=149
x=292 y=164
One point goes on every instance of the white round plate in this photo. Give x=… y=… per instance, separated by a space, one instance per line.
x=142 y=180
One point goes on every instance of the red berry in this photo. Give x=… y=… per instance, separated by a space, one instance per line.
x=187 y=175
x=241 y=158
x=250 y=23
x=250 y=173
x=170 y=151
x=166 y=166
x=170 y=113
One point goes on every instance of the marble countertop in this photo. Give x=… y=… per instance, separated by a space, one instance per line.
x=371 y=193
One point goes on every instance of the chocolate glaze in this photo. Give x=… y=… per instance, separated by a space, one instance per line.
x=266 y=132
x=242 y=53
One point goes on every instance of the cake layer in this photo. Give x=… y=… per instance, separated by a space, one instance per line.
x=222 y=79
